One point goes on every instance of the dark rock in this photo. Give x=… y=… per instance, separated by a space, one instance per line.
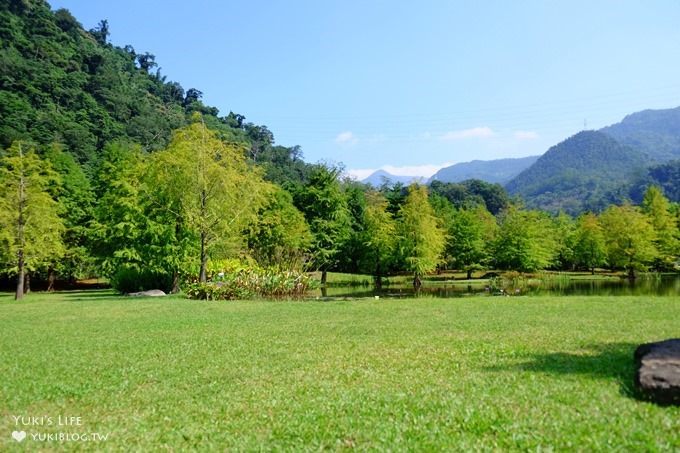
x=658 y=371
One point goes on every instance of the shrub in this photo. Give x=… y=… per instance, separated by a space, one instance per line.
x=130 y=280
x=215 y=291
x=251 y=282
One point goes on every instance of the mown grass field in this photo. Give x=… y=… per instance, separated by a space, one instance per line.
x=464 y=374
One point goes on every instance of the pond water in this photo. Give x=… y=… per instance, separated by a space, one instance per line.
x=648 y=285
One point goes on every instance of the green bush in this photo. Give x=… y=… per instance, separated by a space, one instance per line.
x=130 y=280
x=247 y=283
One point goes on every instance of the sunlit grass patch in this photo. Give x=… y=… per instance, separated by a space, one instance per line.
x=424 y=374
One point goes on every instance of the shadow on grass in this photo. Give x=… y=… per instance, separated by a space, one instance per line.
x=611 y=361
x=89 y=294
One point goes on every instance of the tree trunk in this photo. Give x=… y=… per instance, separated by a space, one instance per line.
x=324 y=277
x=20 y=277
x=175 y=274
x=469 y=274
x=51 y=278
x=631 y=270
x=20 y=238
x=378 y=274
x=203 y=275
x=175 y=283
x=27 y=283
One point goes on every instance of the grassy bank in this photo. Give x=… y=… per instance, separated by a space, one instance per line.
x=473 y=373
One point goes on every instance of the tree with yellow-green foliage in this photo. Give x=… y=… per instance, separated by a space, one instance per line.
x=667 y=236
x=379 y=235
x=525 y=241
x=589 y=245
x=208 y=188
x=30 y=227
x=421 y=238
x=629 y=238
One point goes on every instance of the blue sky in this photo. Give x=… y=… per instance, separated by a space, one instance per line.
x=410 y=86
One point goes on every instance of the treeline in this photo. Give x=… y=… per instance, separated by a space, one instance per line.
x=421 y=233
x=172 y=216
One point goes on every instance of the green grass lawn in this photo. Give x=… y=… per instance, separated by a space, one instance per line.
x=480 y=373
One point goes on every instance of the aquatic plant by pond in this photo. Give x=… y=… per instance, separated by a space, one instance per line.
x=252 y=282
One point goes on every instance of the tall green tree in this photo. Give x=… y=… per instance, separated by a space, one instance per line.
x=667 y=236
x=470 y=233
x=446 y=214
x=207 y=186
x=30 y=227
x=117 y=235
x=589 y=249
x=324 y=205
x=280 y=235
x=525 y=241
x=76 y=198
x=629 y=238
x=379 y=235
x=353 y=250
x=421 y=238
x=470 y=237
x=564 y=229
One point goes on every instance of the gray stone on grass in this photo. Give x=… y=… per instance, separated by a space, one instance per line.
x=658 y=371
x=148 y=293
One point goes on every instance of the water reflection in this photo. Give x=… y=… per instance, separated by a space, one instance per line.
x=649 y=286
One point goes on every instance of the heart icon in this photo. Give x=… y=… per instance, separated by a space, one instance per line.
x=19 y=435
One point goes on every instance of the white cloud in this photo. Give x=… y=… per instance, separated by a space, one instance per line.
x=475 y=132
x=360 y=173
x=526 y=135
x=347 y=138
x=424 y=171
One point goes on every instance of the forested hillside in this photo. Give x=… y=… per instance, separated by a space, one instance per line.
x=581 y=173
x=666 y=176
x=60 y=83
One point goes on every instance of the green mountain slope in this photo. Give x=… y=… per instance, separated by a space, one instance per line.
x=580 y=173
x=653 y=132
x=61 y=83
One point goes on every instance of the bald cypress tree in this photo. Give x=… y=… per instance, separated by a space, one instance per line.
x=421 y=239
x=667 y=235
x=30 y=227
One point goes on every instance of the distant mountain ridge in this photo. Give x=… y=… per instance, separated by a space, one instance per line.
x=653 y=132
x=587 y=171
x=494 y=171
